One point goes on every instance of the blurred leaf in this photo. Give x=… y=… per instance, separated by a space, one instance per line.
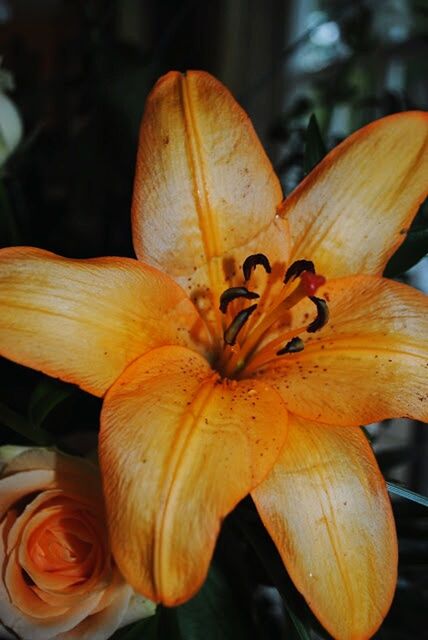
x=393 y=457
x=7 y=81
x=407 y=494
x=357 y=30
x=212 y=614
x=163 y=625
x=20 y=425
x=146 y=629
x=300 y=106
x=413 y=249
x=335 y=86
x=371 y=437
x=45 y=397
x=303 y=632
x=259 y=540
x=288 y=122
x=9 y=232
x=169 y=626
x=315 y=149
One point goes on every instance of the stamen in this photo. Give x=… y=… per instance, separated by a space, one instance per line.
x=251 y=263
x=254 y=350
x=294 y=346
x=233 y=293
x=297 y=268
x=271 y=317
x=322 y=315
x=231 y=333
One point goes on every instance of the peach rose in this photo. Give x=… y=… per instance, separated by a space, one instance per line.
x=58 y=578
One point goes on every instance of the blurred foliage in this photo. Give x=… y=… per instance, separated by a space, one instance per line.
x=376 y=66
x=82 y=70
x=414 y=247
x=314 y=146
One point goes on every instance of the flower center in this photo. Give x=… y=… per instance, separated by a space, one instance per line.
x=63 y=544
x=263 y=331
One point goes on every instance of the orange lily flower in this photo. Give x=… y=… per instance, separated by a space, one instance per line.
x=223 y=373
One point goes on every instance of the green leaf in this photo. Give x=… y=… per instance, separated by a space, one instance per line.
x=9 y=232
x=315 y=149
x=20 y=425
x=407 y=494
x=413 y=249
x=168 y=624
x=146 y=629
x=298 y=624
x=258 y=539
x=212 y=614
x=390 y=458
x=45 y=397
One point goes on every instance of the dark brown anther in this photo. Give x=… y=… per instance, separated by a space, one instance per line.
x=231 y=333
x=233 y=293
x=294 y=346
x=251 y=263
x=298 y=267
x=322 y=315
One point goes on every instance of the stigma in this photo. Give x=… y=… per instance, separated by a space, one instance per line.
x=258 y=333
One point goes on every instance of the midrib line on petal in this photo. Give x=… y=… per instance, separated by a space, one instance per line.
x=331 y=526
x=206 y=216
x=186 y=426
x=332 y=529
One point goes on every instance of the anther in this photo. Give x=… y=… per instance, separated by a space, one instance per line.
x=294 y=346
x=231 y=333
x=297 y=268
x=251 y=263
x=233 y=293
x=322 y=315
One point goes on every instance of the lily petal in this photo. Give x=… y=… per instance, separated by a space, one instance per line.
x=368 y=363
x=326 y=507
x=85 y=320
x=178 y=449
x=205 y=193
x=352 y=212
